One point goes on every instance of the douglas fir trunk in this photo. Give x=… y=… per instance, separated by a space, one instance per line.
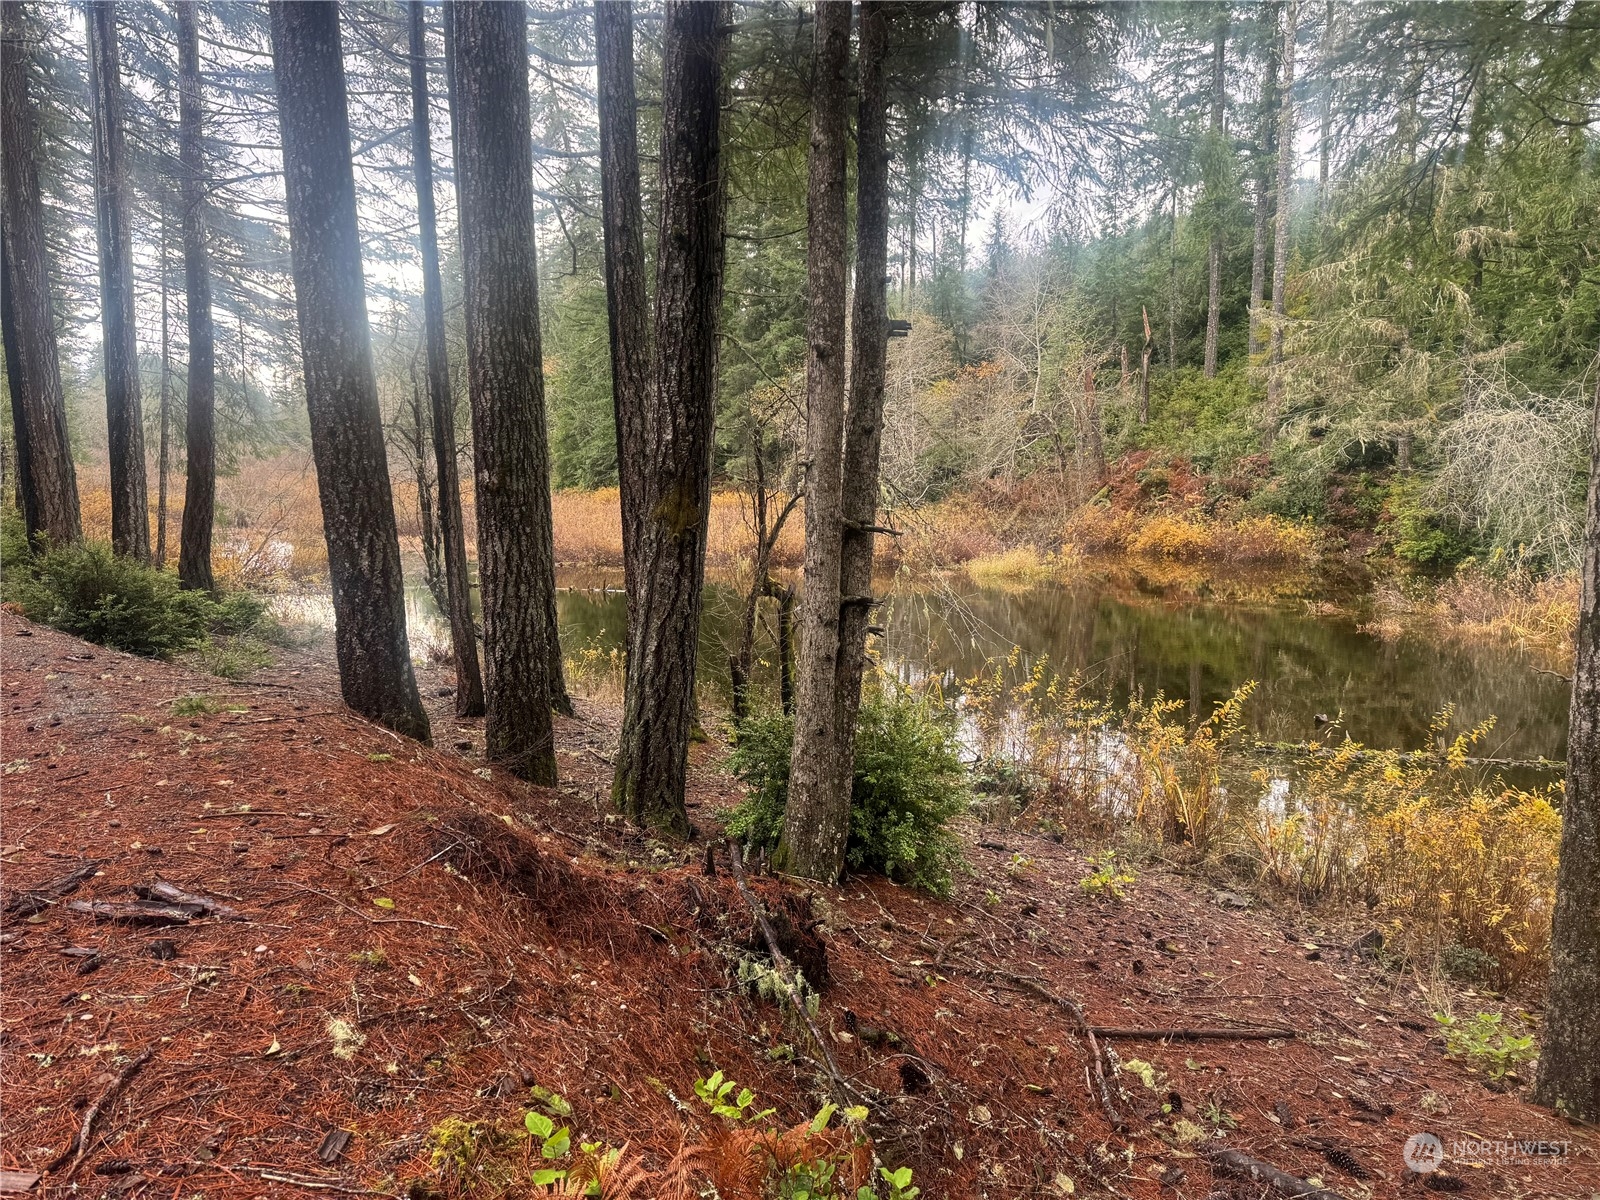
x=494 y=180
x=458 y=584
x=130 y=498
x=675 y=485
x=341 y=392
x=817 y=820
x=48 y=482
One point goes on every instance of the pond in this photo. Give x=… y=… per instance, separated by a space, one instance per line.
x=1308 y=664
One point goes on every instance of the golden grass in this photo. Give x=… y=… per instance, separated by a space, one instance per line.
x=1540 y=614
x=1192 y=536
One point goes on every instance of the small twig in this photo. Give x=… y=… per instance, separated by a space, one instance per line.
x=79 y=1146
x=308 y=1181
x=371 y=920
x=1097 y=1056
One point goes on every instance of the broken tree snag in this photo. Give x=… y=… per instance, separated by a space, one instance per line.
x=843 y=1094
x=1241 y=1165
x=82 y=1140
x=1192 y=1035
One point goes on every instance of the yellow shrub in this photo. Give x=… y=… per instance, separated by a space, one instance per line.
x=1096 y=529
x=1168 y=536
x=1265 y=539
x=1022 y=564
x=1478 y=870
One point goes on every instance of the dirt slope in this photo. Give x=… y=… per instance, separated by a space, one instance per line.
x=413 y=942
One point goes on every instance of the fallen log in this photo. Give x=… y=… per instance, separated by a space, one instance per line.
x=1242 y=1166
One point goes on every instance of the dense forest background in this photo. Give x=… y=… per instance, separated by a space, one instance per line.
x=1085 y=240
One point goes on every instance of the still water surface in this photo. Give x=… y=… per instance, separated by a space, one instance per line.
x=1306 y=664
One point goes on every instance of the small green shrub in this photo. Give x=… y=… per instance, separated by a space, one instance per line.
x=195 y=706
x=86 y=590
x=909 y=783
x=1480 y=1040
x=1108 y=878
x=234 y=657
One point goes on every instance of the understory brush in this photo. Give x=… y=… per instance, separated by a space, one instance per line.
x=1448 y=863
x=909 y=784
x=1229 y=536
x=1478 y=601
x=86 y=590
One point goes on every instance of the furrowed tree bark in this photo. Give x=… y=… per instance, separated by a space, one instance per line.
x=1280 y=241
x=627 y=308
x=164 y=448
x=347 y=440
x=1219 y=99
x=817 y=820
x=47 y=479
x=863 y=434
x=675 y=493
x=1267 y=138
x=452 y=531
x=130 y=495
x=200 y=486
x=516 y=567
x=1569 y=1054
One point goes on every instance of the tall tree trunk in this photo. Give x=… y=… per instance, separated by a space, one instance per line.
x=1569 y=1057
x=1280 y=241
x=130 y=494
x=516 y=563
x=817 y=822
x=1144 y=368
x=432 y=566
x=45 y=475
x=863 y=435
x=1219 y=100
x=1172 y=286
x=452 y=531
x=164 y=450
x=336 y=354
x=627 y=308
x=1325 y=134
x=200 y=486
x=1266 y=145
x=675 y=496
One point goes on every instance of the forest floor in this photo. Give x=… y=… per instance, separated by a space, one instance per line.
x=409 y=939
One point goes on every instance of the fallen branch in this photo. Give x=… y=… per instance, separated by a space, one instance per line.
x=1097 y=1056
x=311 y=1182
x=843 y=1093
x=78 y=1148
x=138 y=912
x=1241 y=1165
x=42 y=897
x=172 y=893
x=1194 y=1035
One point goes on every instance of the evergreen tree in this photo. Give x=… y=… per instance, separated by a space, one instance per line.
x=375 y=673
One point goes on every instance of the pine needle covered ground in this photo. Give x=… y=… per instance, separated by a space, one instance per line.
x=408 y=950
